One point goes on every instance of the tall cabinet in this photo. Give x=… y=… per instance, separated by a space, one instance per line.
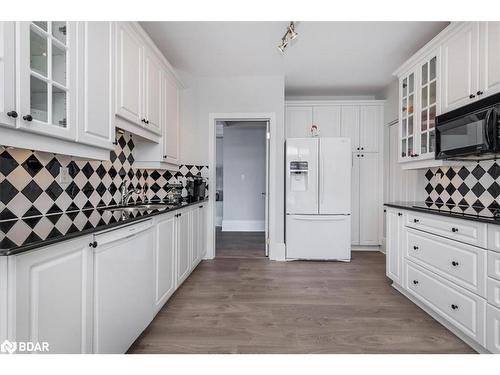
x=362 y=122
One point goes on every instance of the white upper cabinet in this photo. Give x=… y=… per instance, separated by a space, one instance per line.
x=327 y=120
x=407 y=116
x=298 y=121
x=152 y=92
x=370 y=123
x=350 y=125
x=96 y=41
x=129 y=59
x=47 y=77
x=8 y=113
x=171 y=120
x=489 y=58
x=459 y=75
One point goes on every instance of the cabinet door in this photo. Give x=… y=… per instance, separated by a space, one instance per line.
x=393 y=250
x=95 y=80
x=298 y=122
x=165 y=259
x=350 y=125
x=327 y=119
x=195 y=236
x=355 y=199
x=153 y=74
x=370 y=126
x=429 y=106
x=459 y=72
x=203 y=232
x=129 y=74
x=489 y=58
x=53 y=296
x=369 y=199
x=183 y=246
x=7 y=74
x=492 y=329
x=171 y=120
x=46 y=77
x=407 y=119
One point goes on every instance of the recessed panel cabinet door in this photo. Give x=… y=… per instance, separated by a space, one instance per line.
x=370 y=124
x=184 y=248
x=493 y=329
x=95 y=46
x=171 y=120
x=393 y=256
x=369 y=202
x=7 y=74
x=489 y=58
x=53 y=296
x=165 y=258
x=350 y=125
x=459 y=69
x=152 y=99
x=129 y=56
x=327 y=119
x=298 y=122
x=195 y=235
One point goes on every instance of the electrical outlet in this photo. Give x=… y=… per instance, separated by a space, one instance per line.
x=64 y=177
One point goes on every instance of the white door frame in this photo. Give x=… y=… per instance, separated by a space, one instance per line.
x=211 y=219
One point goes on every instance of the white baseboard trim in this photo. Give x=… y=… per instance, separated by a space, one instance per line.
x=243 y=225
x=365 y=248
x=218 y=221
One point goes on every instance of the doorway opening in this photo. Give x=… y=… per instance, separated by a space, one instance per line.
x=241 y=191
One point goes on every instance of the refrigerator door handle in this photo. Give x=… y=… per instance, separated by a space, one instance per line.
x=321 y=178
x=321 y=217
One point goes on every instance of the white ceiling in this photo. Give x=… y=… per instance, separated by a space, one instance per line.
x=327 y=58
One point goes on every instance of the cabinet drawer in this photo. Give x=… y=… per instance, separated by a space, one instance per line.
x=460 y=307
x=494 y=292
x=493 y=330
x=462 y=264
x=460 y=230
x=494 y=265
x=494 y=237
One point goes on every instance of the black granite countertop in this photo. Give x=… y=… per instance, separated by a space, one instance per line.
x=473 y=213
x=20 y=235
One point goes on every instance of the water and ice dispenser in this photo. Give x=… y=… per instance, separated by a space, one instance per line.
x=299 y=175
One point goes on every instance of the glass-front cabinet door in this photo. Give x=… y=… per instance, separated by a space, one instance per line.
x=428 y=106
x=47 y=77
x=407 y=117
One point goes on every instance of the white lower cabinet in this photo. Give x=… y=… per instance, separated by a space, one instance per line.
x=493 y=329
x=51 y=291
x=184 y=245
x=394 y=243
x=165 y=249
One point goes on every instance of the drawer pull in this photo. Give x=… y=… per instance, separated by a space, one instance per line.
x=454 y=230
x=415 y=282
x=454 y=307
x=454 y=264
x=415 y=247
x=416 y=220
x=400 y=214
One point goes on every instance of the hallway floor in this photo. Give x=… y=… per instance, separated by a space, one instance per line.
x=239 y=244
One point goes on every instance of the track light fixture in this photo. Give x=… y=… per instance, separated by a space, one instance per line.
x=290 y=34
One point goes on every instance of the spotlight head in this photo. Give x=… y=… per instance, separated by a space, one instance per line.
x=282 y=47
x=291 y=31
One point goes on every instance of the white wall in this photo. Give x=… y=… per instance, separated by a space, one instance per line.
x=253 y=94
x=244 y=177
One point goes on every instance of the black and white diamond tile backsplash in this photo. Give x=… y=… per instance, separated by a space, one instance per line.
x=29 y=184
x=476 y=186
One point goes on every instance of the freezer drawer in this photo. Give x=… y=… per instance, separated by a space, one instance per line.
x=320 y=237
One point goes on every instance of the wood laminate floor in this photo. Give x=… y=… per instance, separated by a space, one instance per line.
x=253 y=305
x=239 y=244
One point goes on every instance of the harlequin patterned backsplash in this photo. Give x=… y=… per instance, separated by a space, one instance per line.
x=475 y=186
x=29 y=184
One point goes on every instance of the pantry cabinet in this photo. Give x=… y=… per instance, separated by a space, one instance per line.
x=57 y=86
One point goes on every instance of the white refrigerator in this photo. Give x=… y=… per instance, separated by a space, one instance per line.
x=318 y=198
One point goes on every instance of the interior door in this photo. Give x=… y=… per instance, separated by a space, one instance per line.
x=369 y=199
x=302 y=176
x=459 y=67
x=335 y=167
x=298 y=121
x=489 y=58
x=370 y=126
x=355 y=199
x=350 y=125
x=327 y=119
x=7 y=74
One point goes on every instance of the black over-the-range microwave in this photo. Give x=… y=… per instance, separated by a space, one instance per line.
x=469 y=132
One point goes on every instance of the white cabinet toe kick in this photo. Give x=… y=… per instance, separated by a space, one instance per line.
x=453 y=277
x=98 y=292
